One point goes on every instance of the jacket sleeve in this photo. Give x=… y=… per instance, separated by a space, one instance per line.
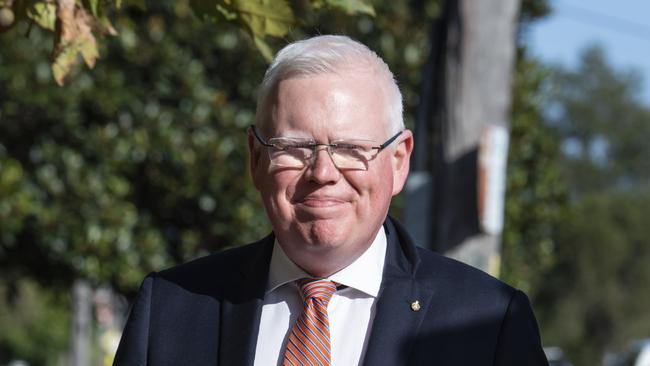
x=519 y=342
x=132 y=350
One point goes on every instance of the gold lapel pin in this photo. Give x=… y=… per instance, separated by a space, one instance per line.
x=415 y=305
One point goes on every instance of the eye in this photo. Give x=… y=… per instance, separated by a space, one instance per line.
x=301 y=151
x=301 y=145
x=291 y=151
x=289 y=144
x=358 y=146
x=348 y=146
x=351 y=151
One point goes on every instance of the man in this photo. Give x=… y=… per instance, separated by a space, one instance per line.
x=337 y=282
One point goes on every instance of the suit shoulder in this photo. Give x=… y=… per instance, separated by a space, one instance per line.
x=462 y=276
x=216 y=265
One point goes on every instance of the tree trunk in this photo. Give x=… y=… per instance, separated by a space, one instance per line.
x=466 y=101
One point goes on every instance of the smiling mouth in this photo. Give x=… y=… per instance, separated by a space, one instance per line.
x=317 y=202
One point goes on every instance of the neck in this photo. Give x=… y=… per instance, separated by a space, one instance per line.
x=322 y=265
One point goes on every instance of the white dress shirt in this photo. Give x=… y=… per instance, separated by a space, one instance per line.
x=350 y=311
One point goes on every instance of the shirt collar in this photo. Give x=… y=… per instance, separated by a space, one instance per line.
x=364 y=274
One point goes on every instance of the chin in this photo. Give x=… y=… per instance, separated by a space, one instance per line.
x=324 y=233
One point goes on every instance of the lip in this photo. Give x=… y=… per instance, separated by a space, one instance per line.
x=321 y=201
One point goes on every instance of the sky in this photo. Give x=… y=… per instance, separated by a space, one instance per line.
x=621 y=27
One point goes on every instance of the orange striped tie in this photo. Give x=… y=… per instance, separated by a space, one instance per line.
x=309 y=341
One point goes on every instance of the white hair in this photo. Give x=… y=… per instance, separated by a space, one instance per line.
x=329 y=54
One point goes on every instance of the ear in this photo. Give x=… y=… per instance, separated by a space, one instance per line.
x=254 y=159
x=401 y=156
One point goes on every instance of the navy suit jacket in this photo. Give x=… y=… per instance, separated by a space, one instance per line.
x=207 y=312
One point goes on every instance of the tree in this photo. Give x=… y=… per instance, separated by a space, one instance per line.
x=88 y=170
x=596 y=297
x=76 y=24
x=535 y=191
x=34 y=323
x=134 y=166
x=593 y=298
x=602 y=124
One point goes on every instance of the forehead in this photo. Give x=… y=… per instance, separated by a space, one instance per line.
x=334 y=105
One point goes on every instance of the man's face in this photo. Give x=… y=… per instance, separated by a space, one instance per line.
x=324 y=217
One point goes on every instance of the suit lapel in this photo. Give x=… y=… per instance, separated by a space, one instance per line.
x=395 y=319
x=398 y=316
x=396 y=322
x=241 y=309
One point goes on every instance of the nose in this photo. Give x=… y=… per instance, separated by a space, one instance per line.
x=322 y=169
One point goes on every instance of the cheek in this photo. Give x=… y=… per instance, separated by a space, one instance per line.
x=373 y=191
x=380 y=187
x=278 y=190
x=275 y=204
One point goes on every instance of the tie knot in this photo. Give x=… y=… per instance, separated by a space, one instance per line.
x=317 y=289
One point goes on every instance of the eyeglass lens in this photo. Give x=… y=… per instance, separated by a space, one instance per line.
x=355 y=158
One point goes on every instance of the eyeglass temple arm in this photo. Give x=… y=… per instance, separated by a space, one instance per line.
x=259 y=138
x=389 y=141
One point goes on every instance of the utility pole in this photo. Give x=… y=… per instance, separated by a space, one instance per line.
x=456 y=192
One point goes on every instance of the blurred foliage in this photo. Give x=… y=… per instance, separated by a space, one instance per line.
x=535 y=192
x=603 y=124
x=76 y=24
x=139 y=164
x=595 y=297
x=132 y=167
x=532 y=10
x=34 y=323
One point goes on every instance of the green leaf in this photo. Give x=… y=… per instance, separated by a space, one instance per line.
x=265 y=17
x=94 y=6
x=74 y=35
x=89 y=52
x=64 y=59
x=43 y=14
x=348 y=6
x=105 y=26
x=229 y=15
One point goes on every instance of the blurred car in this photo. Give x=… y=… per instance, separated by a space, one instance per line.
x=555 y=357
